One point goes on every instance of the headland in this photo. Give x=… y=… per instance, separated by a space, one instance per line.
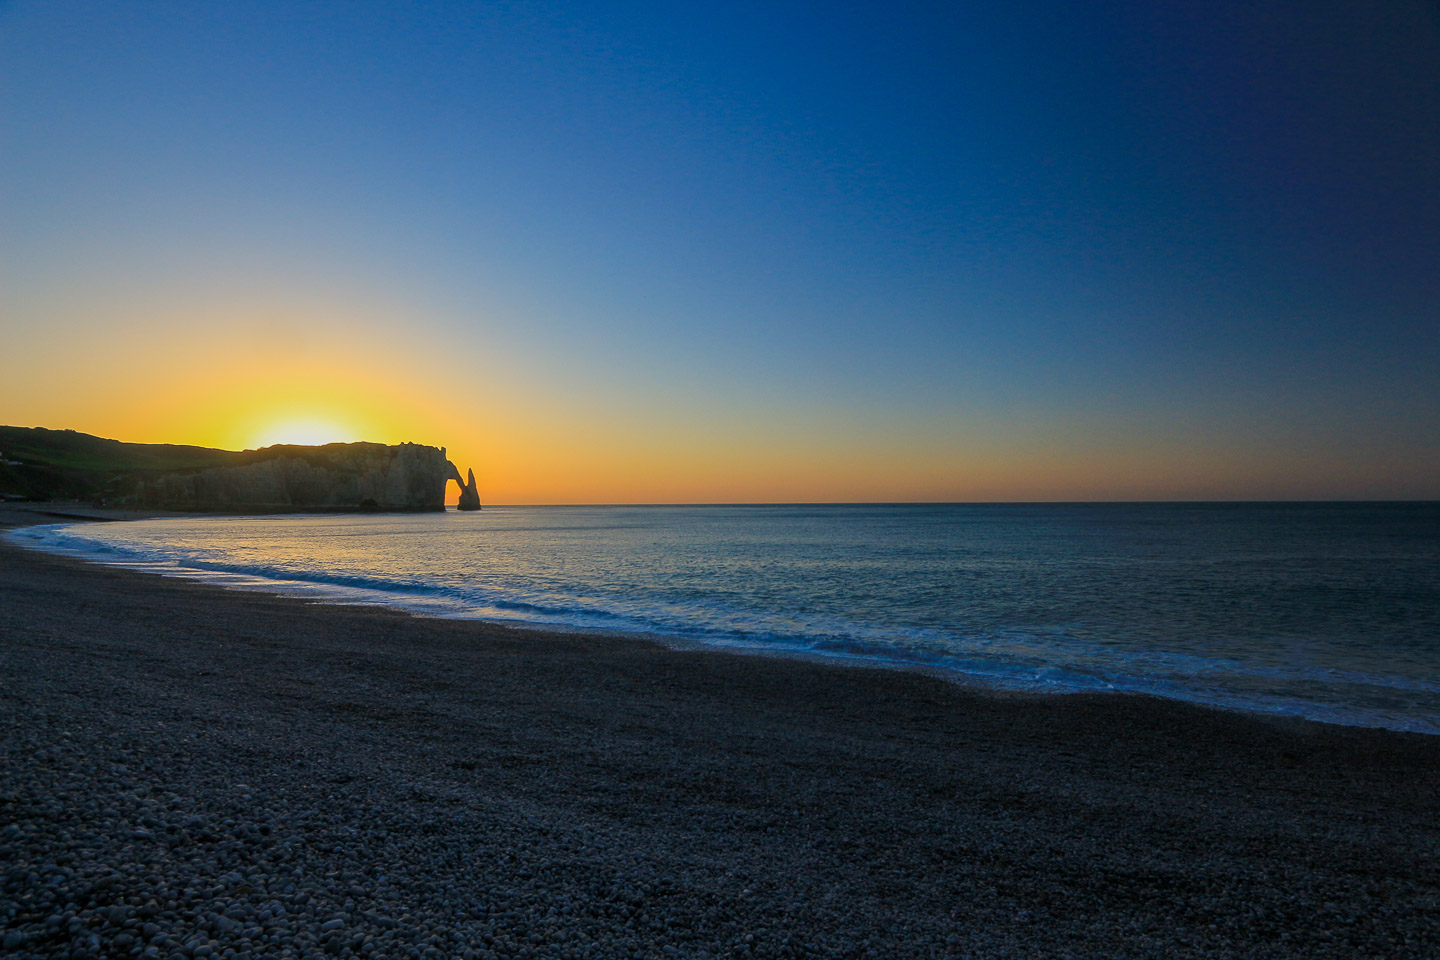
x=37 y=464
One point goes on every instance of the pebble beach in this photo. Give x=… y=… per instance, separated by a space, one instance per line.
x=196 y=772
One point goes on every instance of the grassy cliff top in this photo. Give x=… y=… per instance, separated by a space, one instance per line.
x=45 y=464
x=71 y=450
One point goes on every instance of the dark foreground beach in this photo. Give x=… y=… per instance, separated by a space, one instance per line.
x=194 y=772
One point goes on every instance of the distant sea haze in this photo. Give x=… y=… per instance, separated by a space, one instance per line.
x=1326 y=611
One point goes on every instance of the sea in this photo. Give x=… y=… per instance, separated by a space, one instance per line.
x=1329 y=611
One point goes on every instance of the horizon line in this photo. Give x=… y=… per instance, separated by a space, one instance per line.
x=968 y=503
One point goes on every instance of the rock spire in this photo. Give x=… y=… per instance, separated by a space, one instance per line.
x=469 y=496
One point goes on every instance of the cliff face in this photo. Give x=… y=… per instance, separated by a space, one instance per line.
x=337 y=476
x=41 y=464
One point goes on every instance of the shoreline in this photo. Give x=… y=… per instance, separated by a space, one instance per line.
x=975 y=679
x=189 y=767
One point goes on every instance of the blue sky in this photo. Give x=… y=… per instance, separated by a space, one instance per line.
x=994 y=247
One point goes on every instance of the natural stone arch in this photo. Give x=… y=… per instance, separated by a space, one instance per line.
x=469 y=495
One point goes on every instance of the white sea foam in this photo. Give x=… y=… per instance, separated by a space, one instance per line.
x=690 y=576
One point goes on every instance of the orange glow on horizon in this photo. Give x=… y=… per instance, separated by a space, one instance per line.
x=537 y=431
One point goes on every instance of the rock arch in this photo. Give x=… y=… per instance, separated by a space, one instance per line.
x=469 y=495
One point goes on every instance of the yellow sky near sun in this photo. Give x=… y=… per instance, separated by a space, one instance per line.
x=219 y=377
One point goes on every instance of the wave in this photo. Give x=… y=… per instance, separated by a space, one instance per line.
x=1057 y=662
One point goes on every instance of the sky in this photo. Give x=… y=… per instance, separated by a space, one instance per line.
x=740 y=252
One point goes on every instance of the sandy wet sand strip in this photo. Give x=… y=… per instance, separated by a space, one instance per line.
x=189 y=770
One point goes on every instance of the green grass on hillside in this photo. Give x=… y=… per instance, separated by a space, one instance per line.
x=65 y=464
x=70 y=450
x=43 y=464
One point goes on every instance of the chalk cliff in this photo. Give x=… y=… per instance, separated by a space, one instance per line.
x=336 y=476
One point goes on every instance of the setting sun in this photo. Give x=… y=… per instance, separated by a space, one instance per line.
x=305 y=431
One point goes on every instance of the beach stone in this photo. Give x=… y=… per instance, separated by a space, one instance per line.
x=624 y=800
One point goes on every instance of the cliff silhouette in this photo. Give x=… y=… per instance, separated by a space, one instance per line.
x=41 y=464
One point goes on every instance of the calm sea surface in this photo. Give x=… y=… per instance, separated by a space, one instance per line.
x=1329 y=611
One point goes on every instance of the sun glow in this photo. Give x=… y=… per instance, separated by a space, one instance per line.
x=311 y=432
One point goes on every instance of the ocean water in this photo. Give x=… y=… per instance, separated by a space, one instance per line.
x=1328 y=611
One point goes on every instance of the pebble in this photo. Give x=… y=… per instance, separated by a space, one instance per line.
x=357 y=800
